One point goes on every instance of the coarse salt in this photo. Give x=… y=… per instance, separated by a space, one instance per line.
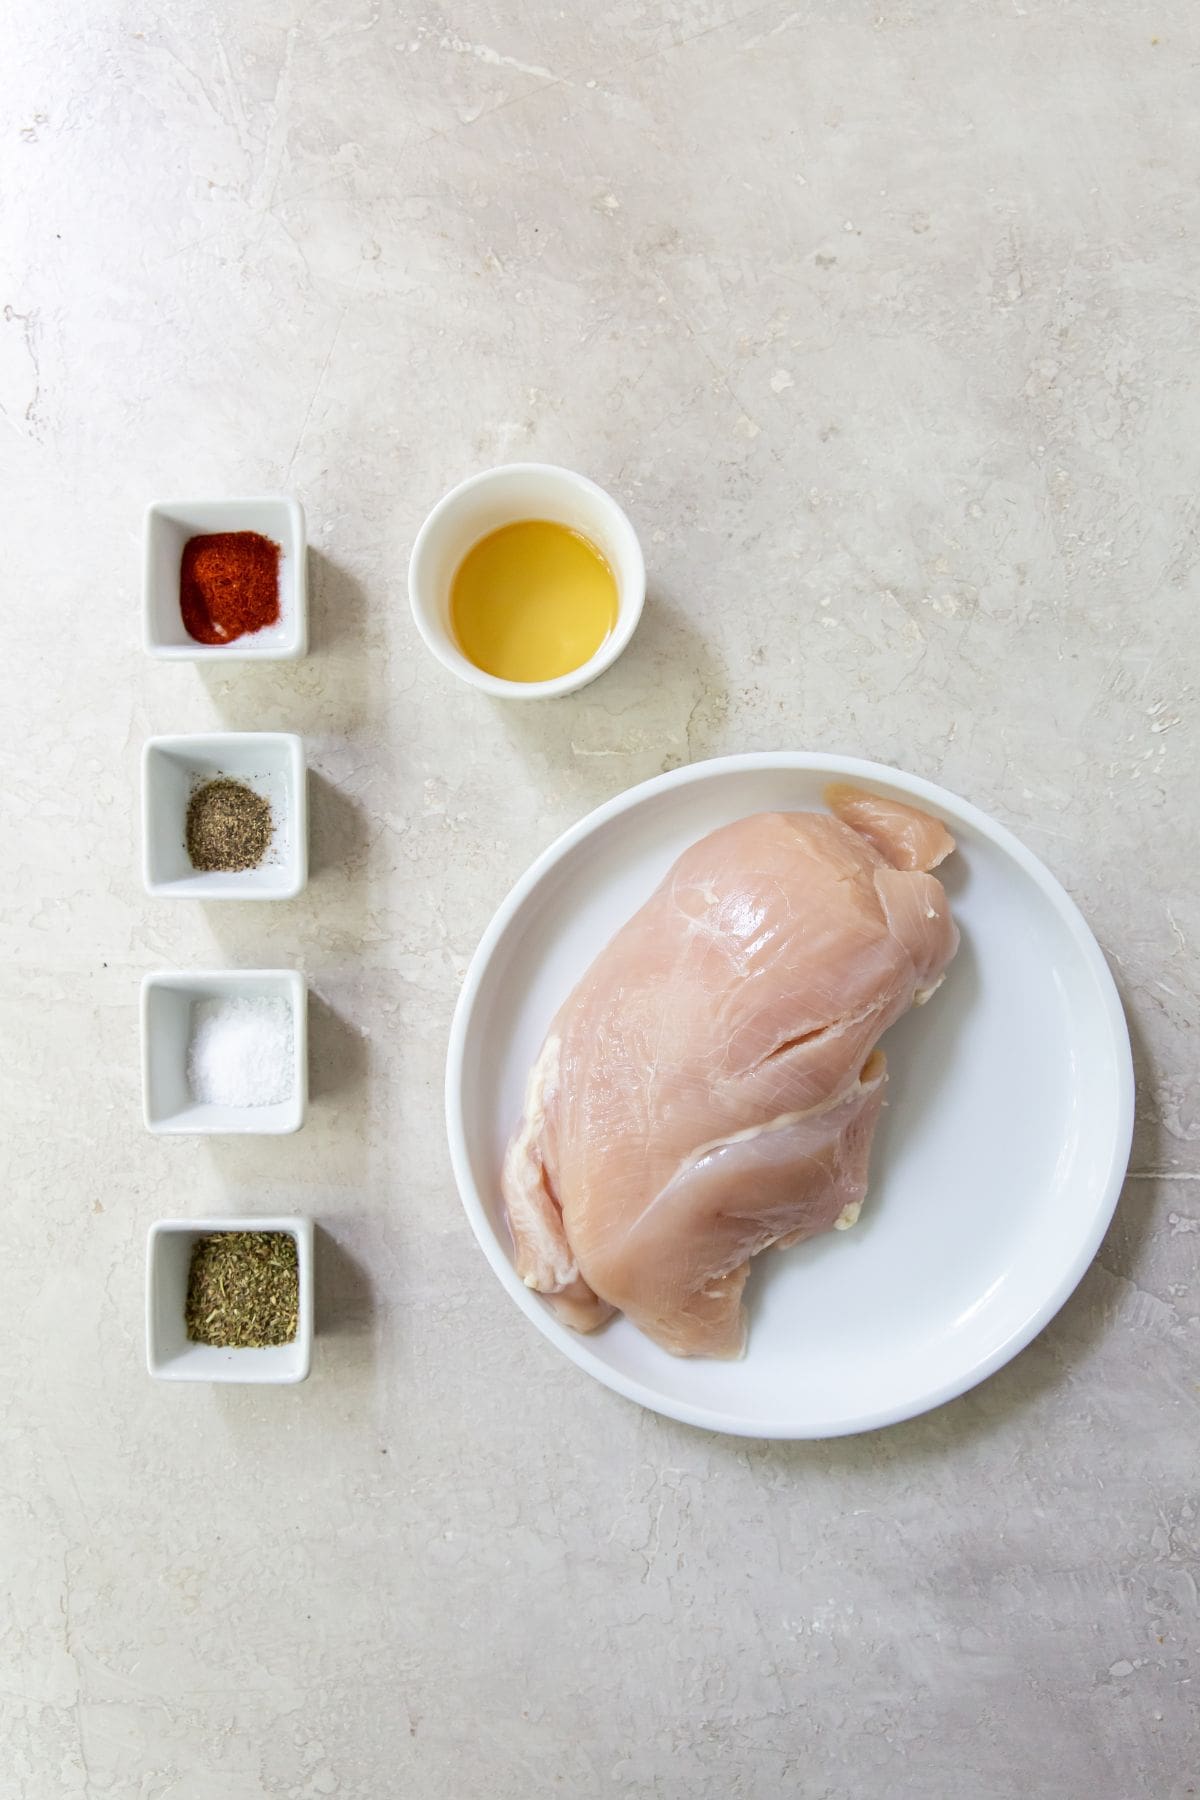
x=241 y=1052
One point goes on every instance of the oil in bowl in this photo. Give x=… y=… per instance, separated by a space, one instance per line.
x=532 y=601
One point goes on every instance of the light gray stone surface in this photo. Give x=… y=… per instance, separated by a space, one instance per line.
x=882 y=319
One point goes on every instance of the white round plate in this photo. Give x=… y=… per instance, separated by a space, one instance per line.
x=998 y=1159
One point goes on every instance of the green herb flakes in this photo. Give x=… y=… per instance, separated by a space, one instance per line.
x=243 y=1289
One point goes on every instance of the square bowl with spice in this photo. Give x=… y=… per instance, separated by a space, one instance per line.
x=225 y=816
x=229 y=1299
x=224 y=1050
x=226 y=579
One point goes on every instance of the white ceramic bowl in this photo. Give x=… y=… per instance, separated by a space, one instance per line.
x=269 y=762
x=169 y=525
x=505 y=496
x=995 y=1168
x=170 y=1355
x=167 y=1000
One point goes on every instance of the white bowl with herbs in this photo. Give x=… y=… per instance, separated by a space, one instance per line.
x=229 y=1299
x=225 y=816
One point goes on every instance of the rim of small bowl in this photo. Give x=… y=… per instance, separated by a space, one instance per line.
x=628 y=616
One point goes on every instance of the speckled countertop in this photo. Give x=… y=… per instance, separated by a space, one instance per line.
x=882 y=321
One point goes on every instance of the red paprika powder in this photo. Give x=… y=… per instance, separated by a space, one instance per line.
x=228 y=585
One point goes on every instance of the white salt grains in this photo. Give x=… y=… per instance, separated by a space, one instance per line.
x=241 y=1053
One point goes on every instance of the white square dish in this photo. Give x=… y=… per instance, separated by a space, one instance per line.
x=171 y=1355
x=167 y=1001
x=169 y=525
x=269 y=762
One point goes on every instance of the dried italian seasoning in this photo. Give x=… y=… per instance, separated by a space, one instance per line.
x=243 y=1289
x=228 y=826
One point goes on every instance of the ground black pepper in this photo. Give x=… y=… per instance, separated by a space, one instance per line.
x=228 y=826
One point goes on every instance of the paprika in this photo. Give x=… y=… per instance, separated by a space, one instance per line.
x=228 y=585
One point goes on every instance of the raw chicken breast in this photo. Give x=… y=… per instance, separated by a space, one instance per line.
x=712 y=1085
